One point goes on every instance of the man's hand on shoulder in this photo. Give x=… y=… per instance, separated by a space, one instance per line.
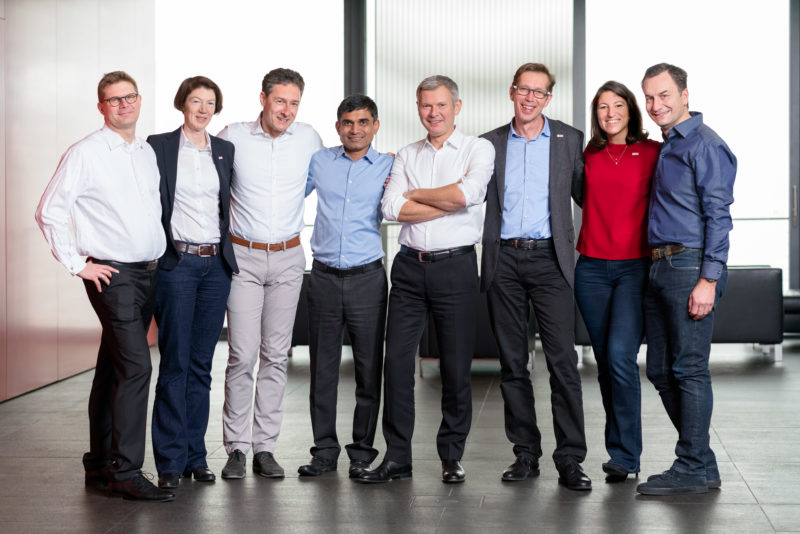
x=701 y=300
x=97 y=273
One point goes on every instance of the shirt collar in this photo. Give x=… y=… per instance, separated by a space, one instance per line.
x=184 y=142
x=371 y=156
x=689 y=125
x=257 y=129
x=455 y=140
x=114 y=140
x=545 y=130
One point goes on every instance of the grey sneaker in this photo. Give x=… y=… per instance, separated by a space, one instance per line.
x=235 y=468
x=265 y=465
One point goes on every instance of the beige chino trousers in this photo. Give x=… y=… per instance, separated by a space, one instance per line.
x=261 y=312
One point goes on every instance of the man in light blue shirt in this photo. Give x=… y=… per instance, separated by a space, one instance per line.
x=347 y=287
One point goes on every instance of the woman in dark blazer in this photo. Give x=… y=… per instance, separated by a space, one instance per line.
x=194 y=279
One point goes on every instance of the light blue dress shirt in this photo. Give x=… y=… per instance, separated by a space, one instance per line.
x=526 y=203
x=347 y=230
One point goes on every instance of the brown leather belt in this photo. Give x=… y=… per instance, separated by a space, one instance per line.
x=293 y=242
x=205 y=250
x=662 y=252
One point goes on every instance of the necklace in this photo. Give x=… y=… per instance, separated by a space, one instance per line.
x=616 y=160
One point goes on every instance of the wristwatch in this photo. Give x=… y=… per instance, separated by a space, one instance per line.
x=710 y=280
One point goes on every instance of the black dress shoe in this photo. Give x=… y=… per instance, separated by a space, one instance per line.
x=385 y=472
x=200 y=474
x=452 y=472
x=139 y=488
x=169 y=480
x=235 y=466
x=572 y=476
x=357 y=467
x=316 y=467
x=95 y=479
x=522 y=468
x=615 y=472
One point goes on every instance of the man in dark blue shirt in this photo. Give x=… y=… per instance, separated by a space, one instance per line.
x=347 y=287
x=689 y=222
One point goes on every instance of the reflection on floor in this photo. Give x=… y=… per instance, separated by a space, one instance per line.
x=755 y=434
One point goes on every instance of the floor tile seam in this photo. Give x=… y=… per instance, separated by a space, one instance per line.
x=485 y=397
x=766 y=516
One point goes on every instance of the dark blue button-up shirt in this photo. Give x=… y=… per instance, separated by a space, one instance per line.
x=692 y=192
x=347 y=230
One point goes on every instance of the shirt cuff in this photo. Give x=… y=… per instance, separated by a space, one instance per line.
x=394 y=206
x=711 y=270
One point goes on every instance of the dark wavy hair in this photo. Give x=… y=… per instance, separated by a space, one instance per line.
x=635 y=132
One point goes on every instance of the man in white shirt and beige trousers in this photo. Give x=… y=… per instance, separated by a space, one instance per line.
x=267 y=199
x=106 y=186
x=436 y=190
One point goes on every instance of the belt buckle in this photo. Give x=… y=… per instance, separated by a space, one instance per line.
x=420 y=257
x=205 y=251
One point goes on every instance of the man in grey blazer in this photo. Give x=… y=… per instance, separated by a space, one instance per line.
x=528 y=254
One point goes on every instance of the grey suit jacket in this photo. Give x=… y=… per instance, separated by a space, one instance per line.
x=566 y=180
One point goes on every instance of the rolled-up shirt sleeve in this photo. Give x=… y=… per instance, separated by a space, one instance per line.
x=481 y=164
x=715 y=174
x=393 y=199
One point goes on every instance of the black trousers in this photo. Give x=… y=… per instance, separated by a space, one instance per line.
x=118 y=401
x=535 y=275
x=447 y=289
x=356 y=302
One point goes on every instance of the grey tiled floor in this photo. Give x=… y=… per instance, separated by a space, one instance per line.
x=756 y=435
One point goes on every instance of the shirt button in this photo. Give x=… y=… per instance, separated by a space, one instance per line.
x=344 y=238
x=347 y=200
x=349 y=181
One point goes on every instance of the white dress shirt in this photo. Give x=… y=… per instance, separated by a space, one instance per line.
x=108 y=190
x=420 y=166
x=269 y=182
x=195 y=213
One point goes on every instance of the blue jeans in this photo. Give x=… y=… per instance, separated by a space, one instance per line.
x=677 y=357
x=190 y=308
x=610 y=295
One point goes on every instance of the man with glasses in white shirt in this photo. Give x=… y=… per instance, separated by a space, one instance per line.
x=267 y=199
x=106 y=186
x=436 y=189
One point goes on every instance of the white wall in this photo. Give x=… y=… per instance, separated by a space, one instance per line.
x=737 y=57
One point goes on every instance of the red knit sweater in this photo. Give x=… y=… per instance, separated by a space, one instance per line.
x=615 y=200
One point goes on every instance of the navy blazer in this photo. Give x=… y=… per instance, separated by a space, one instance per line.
x=166 y=147
x=566 y=180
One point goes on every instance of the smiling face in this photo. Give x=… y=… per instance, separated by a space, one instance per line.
x=437 y=112
x=122 y=119
x=280 y=108
x=528 y=109
x=199 y=109
x=356 y=129
x=613 y=116
x=665 y=104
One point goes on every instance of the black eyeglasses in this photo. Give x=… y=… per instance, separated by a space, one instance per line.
x=525 y=91
x=114 y=101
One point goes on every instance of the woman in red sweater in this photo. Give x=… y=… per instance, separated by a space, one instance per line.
x=611 y=273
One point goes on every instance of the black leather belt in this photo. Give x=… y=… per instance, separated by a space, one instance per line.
x=669 y=250
x=527 y=244
x=146 y=265
x=204 y=250
x=350 y=271
x=437 y=255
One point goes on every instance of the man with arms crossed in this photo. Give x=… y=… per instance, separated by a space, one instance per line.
x=267 y=191
x=347 y=287
x=106 y=187
x=529 y=254
x=689 y=222
x=436 y=190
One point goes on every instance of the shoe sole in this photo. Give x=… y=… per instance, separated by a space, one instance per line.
x=268 y=475
x=454 y=480
x=399 y=476
x=229 y=476
x=614 y=475
x=686 y=490
x=303 y=473
x=531 y=474
x=563 y=482
x=127 y=497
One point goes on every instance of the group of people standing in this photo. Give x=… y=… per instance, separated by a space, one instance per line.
x=187 y=225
